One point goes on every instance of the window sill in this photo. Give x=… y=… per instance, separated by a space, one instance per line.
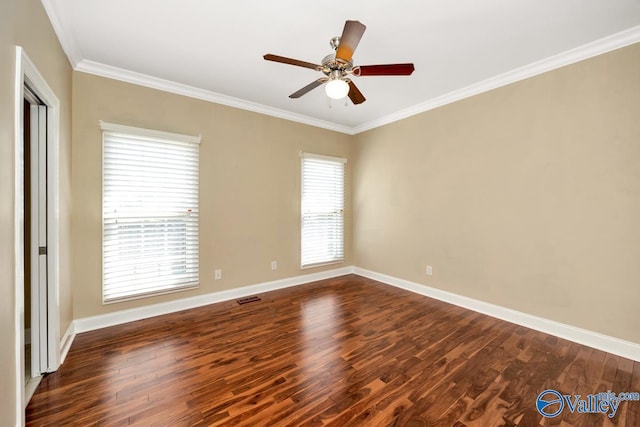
x=321 y=264
x=151 y=294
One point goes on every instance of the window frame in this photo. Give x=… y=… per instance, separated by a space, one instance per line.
x=159 y=137
x=337 y=160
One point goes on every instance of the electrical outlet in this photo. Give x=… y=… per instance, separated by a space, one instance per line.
x=274 y=265
x=429 y=270
x=217 y=274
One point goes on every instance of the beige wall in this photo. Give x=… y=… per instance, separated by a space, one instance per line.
x=527 y=196
x=8 y=397
x=249 y=186
x=24 y=23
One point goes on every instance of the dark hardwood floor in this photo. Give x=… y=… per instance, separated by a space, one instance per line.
x=342 y=352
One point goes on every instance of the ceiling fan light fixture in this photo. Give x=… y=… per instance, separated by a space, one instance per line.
x=337 y=88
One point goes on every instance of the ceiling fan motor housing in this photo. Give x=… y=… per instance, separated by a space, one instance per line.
x=331 y=64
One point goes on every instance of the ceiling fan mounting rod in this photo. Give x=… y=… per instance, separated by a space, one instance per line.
x=334 y=42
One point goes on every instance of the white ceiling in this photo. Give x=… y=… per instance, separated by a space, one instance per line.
x=213 y=49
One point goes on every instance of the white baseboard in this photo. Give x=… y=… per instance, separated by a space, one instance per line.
x=124 y=316
x=67 y=340
x=596 y=340
x=30 y=387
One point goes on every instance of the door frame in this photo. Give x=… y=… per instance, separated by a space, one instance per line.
x=27 y=73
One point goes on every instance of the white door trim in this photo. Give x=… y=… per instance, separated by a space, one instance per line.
x=27 y=73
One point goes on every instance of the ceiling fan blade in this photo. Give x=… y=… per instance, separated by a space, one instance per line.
x=351 y=35
x=308 y=88
x=355 y=95
x=284 y=60
x=384 y=70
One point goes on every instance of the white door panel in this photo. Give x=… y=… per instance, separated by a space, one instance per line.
x=39 y=239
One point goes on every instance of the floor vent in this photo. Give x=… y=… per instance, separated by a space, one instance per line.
x=247 y=300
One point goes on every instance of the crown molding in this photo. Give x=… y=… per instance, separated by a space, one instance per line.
x=64 y=33
x=140 y=79
x=589 y=50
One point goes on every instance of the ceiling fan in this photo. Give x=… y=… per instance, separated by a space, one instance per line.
x=337 y=66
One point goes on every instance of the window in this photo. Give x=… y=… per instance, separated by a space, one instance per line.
x=322 y=209
x=149 y=212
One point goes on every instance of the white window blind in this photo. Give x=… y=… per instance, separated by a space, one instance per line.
x=150 y=216
x=322 y=209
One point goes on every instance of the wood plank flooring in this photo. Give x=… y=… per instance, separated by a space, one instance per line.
x=342 y=352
